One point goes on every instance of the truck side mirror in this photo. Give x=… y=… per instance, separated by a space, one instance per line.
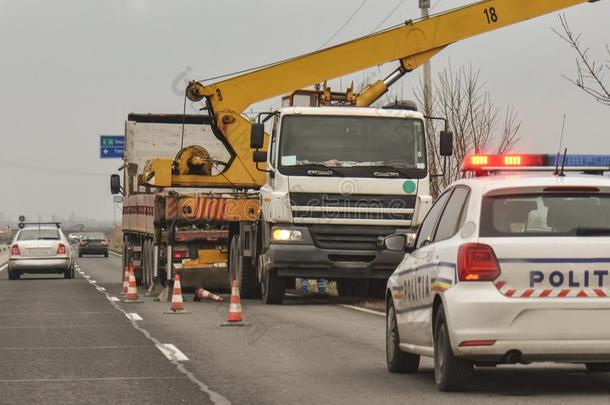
x=257 y=136
x=259 y=156
x=115 y=184
x=446 y=143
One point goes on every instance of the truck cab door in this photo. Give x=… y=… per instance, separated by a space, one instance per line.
x=267 y=190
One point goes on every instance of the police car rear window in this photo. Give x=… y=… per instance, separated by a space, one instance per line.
x=546 y=214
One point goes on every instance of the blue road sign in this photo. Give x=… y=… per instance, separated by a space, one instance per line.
x=112 y=146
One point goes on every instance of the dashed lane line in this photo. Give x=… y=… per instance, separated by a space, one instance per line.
x=172 y=352
x=132 y=316
x=4 y=266
x=175 y=355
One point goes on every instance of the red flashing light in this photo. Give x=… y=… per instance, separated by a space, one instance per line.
x=15 y=250
x=478 y=162
x=179 y=254
x=61 y=249
x=473 y=343
x=511 y=160
x=477 y=262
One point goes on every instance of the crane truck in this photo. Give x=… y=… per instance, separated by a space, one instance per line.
x=330 y=179
x=162 y=228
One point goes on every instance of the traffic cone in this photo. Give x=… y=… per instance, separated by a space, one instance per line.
x=125 y=282
x=132 y=289
x=234 y=318
x=177 y=305
x=202 y=294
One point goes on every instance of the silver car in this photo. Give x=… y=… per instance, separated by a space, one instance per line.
x=40 y=249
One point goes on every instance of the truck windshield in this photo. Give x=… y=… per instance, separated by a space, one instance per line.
x=542 y=214
x=352 y=141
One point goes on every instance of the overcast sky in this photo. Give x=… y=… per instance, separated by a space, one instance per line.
x=72 y=70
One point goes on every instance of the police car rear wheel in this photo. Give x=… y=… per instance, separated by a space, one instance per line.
x=397 y=360
x=450 y=373
x=598 y=367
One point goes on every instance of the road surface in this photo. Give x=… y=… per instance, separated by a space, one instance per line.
x=67 y=341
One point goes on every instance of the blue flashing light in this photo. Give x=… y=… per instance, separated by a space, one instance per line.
x=580 y=160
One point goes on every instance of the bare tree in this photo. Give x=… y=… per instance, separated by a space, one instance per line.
x=477 y=123
x=590 y=74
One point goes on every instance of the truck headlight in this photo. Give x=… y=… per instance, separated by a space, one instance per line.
x=287 y=235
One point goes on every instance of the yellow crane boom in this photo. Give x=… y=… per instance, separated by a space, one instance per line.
x=411 y=44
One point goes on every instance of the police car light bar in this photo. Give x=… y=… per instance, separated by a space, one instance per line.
x=535 y=162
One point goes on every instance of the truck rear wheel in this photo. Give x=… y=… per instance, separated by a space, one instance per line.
x=273 y=287
x=241 y=269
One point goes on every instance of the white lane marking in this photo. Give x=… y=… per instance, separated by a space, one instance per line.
x=101 y=289
x=115 y=254
x=92 y=282
x=3 y=267
x=132 y=316
x=368 y=311
x=214 y=396
x=172 y=352
x=355 y=308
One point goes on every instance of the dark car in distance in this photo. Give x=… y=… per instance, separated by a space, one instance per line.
x=94 y=243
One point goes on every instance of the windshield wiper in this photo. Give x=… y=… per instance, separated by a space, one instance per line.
x=388 y=171
x=319 y=169
x=589 y=231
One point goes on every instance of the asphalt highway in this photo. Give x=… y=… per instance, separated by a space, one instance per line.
x=69 y=341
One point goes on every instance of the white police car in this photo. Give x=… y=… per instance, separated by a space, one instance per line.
x=506 y=268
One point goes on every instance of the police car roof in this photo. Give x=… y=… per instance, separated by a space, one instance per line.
x=523 y=180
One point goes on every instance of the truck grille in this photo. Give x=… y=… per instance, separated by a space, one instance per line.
x=348 y=237
x=352 y=206
x=352 y=200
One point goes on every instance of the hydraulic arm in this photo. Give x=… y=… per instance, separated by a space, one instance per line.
x=411 y=45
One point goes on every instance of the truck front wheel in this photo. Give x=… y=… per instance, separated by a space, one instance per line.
x=273 y=287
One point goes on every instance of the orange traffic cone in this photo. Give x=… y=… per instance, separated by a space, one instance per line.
x=125 y=282
x=202 y=294
x=177 y=305
x=234 y=318
x=132 y=289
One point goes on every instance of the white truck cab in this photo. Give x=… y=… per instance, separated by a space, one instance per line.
x=339 y=179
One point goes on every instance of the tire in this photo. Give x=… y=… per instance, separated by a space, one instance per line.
x=450 y=373
x=598 y=367
x=397 y=360
x=273 y=287
x=80 y=254
x=69 y=273
x=241 y=269
x=352 y=288
x=13 y=275
x=106 y=254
